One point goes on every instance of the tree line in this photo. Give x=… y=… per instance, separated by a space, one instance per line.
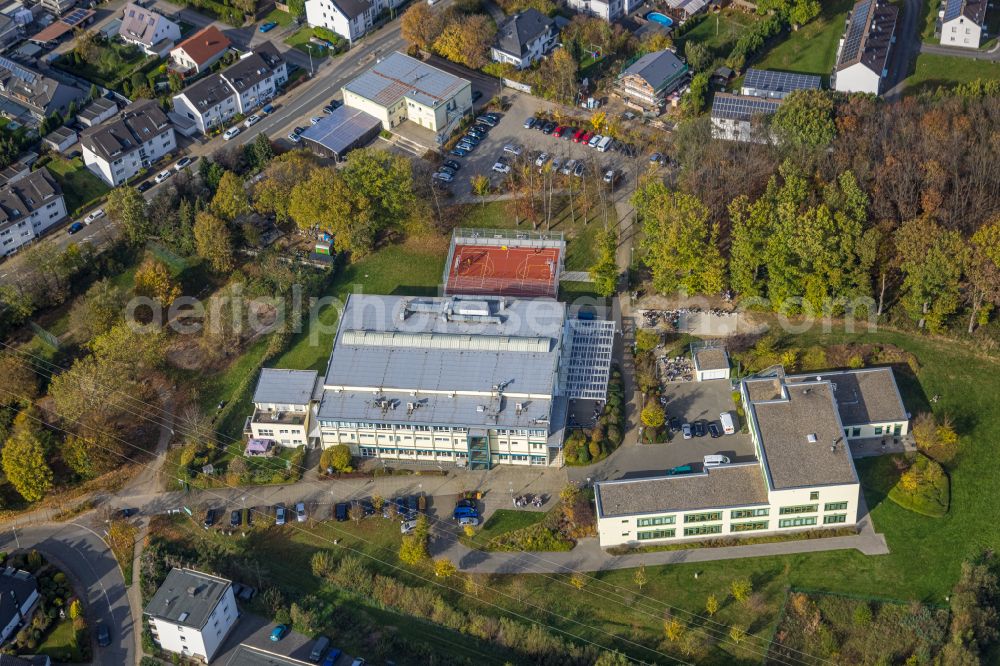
x=854 y=201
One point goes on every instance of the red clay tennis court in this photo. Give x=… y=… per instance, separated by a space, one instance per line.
x=503 y=270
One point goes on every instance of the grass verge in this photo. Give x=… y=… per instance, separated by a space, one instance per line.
x=812 y=49
x=933 y=71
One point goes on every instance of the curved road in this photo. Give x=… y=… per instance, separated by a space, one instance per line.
x=94 y=573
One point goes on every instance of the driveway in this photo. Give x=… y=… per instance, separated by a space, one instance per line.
x=94 y=573
x=688 y=401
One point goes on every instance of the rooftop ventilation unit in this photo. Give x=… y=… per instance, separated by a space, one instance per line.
x=811 y=438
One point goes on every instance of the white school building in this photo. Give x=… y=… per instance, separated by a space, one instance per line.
x=803 y=476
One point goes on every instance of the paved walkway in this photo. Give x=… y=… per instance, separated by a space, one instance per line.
x=971 y=54
x=589 y=556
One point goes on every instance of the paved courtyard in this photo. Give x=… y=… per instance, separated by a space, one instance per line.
x=688 y=401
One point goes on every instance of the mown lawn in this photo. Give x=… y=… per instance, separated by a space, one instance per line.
x=719 y=32
x=283 y=19
x=937 y=70
x=413 y=268
x=580 y=233
x=507 y=520
x=923 y=565
x=78 y=184
x=813 y=48
x=61 y=645
x=300 y=40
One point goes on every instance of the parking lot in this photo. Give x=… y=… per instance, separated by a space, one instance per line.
x=510 y=130
x=688 y=402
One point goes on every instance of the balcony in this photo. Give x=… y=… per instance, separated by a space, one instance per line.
x=279 y=418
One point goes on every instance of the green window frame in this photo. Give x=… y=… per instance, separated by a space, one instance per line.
x=835 y=506
x=801 y=521
x=835 y=518
x=814 y=495
x=705 y=517
x=655 y=522
x=702 y=530
x=878 y=430
x=801 y=508
x=897 y=429
x=857 y=432
x=656 y=534
x=736 y=514
x=749 y=527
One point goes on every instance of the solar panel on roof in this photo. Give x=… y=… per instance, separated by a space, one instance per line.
x=738 y=107
x=17 y=70
x=952 y=9
x=856 y=30
x=781 y=82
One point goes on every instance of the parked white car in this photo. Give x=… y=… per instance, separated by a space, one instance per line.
x=94 y=216
x=542 y=159
x=252 y=120
x=162 y=176
x=501 y=167
x=513 y=149
x=230 y=133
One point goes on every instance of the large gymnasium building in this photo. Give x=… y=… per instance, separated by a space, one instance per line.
x=483 y=375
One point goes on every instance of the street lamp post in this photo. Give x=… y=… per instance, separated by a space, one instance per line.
x=309 y=47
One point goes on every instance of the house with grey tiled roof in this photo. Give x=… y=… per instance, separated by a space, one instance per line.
x=351 y=19
x=646 y=83
x=29 y=206
x=245 y=85
x=524 y=38
x=803 y=475
x=120 y=147
x=192 y=613
x=151 y=31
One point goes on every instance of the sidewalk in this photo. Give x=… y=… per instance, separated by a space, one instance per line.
x=588 y=555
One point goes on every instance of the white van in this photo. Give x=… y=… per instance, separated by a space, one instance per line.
x=715 y=460
x=604 y=144
x=728 y=426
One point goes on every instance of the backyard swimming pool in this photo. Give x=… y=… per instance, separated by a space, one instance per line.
x=662 y=19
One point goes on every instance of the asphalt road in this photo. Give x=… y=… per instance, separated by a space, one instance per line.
x=92 y=568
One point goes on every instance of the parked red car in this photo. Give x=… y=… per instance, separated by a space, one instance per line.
x=577 y=136
x=558 y=131
x=586 y=137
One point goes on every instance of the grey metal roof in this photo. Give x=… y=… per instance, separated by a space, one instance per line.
x=778 y=84
x=717 y=487
x=518 y=31
x=657 y=69
x=801 y=436
x=434 y=408
x=437 y=347
x=342 y=129
x=247 y=655
x=136 y=124
x=187 y=594
x=286 y=387
x=863 y=396
x=869 y=35
x=398 y=76
x=742 y=107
